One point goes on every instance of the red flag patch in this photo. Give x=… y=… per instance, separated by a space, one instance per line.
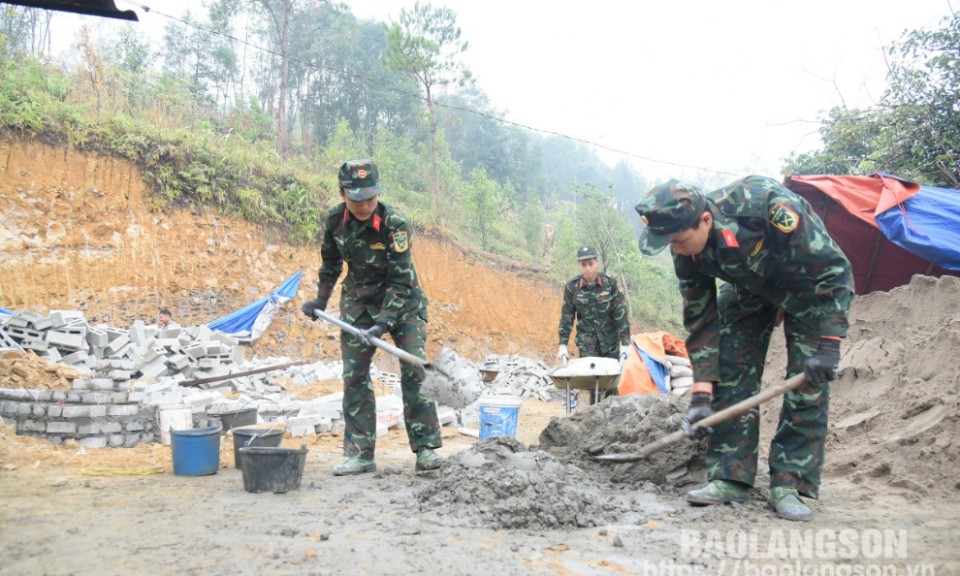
x=730 y=238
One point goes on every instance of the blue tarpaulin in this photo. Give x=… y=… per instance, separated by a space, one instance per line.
x=5 y=312
x=251 y=321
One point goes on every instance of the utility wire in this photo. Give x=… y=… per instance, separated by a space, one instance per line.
x=418 y=96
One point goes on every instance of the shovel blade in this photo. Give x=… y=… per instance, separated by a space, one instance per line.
x=619 y=457
x=452 y=380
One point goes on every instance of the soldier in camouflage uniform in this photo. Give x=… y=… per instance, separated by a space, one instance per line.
x=777 y=260
x=595 y=301
x=381 y=294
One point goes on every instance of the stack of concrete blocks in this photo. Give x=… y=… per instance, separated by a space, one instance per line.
x=519 y=376
x=96 y=412
x=136 y=372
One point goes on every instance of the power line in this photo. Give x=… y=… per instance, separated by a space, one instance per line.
x=418 y=96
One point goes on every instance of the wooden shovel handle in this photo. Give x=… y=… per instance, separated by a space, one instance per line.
x=727 y=413
x=385 y=346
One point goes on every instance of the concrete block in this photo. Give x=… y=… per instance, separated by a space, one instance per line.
x=41 y=323
x=53 y=355
x=104 y=384
x=298 y=431
x=76 y=411
x=74 y=397
x=61 y=427
x=137 y=332
x=110 y=427
x=93 y=442
x=163 y=397
x=134 y=426
x=178 y=361
x=203 y=332
x=74 y=358
x=154 y=369
x=119 y=375
x=60 y=318
x=97 y=338
x=35 y=345
x=123 y=410
x=31 y=426
x=208 y=362
x=54 y=410
x=117 y=344
x=65 y=340
x=88 y=428
x=115 y=440
x=196 y=351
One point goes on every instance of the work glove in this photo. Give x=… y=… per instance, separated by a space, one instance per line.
x=698 y=410
x=822 y=366
x=624 y=353
x=310 y=305
x=374 y=331
x=562 y=353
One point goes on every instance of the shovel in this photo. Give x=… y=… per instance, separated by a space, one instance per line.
x=727 y=413
x=452 y=380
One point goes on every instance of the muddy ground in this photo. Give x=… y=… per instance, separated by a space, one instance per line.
x=76 y=233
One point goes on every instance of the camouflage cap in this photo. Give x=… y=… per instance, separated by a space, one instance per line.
x=585 y=253
x=666 y=210
x=360 y=179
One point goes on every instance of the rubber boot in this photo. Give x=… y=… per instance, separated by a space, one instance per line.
x=719 y=492
x=427 y=459
x=355 y=465
x=786 y=502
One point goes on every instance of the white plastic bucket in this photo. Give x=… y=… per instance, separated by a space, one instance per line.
x=499 y=416
x=173 y=417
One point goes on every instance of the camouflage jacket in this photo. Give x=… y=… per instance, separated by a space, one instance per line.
x=598 y=308
x=381 y=278
x=768 y=241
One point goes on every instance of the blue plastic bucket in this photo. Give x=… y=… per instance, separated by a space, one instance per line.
x=196 y=452
x=499 y=416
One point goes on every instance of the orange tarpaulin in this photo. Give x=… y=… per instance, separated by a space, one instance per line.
x=636 y=377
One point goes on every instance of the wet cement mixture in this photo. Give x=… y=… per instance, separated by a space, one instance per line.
x=537 y=504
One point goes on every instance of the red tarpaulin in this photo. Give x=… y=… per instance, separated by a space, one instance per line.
x=848 y=206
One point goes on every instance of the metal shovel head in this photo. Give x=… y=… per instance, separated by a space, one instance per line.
x=452 y=380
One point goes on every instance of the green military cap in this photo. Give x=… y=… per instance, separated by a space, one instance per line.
x=666 y=210
x=360 y=179
x=586 y=252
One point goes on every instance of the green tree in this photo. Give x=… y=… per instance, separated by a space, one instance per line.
x=426 y=44
x=483 y=201
x=913 y=132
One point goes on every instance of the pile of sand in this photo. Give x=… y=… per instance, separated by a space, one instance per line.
x=894 y=410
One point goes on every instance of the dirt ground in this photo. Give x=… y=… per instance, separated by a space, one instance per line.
x=76 y=233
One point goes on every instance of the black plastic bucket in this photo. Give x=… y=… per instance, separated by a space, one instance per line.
x=237 y=418
x=277 y=470
x=254 y=436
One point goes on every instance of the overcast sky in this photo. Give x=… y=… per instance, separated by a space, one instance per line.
x=726 y=85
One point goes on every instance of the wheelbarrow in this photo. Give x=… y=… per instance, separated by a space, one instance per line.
x=588 y=373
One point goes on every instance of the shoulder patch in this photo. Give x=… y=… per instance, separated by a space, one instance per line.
x=730 y=238
x=401 y=241
x=783 y=218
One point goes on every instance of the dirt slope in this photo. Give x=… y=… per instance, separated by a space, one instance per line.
x=77 y=232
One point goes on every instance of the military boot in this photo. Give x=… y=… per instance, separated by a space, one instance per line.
x=355 y=465
x=786 y=502
x=427 y=459
x=719 y=492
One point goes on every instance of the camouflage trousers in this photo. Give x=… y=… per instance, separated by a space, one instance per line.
x=359 y=400
x=797 y=449
x=591 y=345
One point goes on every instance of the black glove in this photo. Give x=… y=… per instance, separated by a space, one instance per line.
x=698 y=410
x=822 y=366
x=374 y=331
x=310 y=305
